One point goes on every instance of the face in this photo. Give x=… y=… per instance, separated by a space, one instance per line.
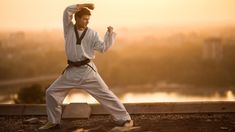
x=83 y=21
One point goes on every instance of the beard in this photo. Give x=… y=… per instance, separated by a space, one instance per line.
x=80 y=26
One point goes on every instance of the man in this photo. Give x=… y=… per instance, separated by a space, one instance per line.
x=80 y=44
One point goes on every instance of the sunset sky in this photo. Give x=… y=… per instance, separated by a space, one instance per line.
x=47 y=14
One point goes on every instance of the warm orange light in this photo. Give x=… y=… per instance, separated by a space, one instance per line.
x=44 y=14
x=151 y=97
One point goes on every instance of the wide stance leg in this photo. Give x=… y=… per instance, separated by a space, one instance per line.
x=55 y=95
x=100 y=91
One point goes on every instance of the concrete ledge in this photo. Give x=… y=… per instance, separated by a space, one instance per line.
x=34 y=109
x=188 y=107
x=172 y=107
x=132 y=108
x=215 y=107
x=6 y=109
x=149 y=108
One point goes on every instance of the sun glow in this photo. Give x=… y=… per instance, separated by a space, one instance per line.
x=44 y=14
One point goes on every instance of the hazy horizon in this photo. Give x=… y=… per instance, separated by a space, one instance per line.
x=46 y=15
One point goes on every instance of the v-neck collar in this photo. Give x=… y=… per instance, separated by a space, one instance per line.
x=79 y=39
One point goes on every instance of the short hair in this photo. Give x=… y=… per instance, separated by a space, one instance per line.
x=83 y=11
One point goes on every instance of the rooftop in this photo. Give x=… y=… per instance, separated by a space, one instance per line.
x=151 y=117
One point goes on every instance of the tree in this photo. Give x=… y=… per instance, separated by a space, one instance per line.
x=33 y=94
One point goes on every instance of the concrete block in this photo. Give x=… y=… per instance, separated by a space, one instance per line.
x=97 y=109
x=76 y=110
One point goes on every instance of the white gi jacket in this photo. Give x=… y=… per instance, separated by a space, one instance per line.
x=89 y=43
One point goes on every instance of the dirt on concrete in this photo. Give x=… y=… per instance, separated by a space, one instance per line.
x=198 y=122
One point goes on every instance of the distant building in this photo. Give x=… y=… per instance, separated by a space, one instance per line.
x=176 y=39
x=18 y=36
x=15 y=38
x=230 y=40
x=213 y=49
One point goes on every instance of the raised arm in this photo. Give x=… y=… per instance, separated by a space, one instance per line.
x=68 y=14
x=104 y=45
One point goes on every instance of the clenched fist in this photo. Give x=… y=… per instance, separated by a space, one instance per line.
x=90 y=6
x=110 y=29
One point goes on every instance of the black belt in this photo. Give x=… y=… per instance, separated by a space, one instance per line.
x=78 y=64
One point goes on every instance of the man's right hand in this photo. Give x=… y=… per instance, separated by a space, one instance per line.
x=90 y=6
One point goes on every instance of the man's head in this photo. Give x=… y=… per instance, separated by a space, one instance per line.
x=82 y=17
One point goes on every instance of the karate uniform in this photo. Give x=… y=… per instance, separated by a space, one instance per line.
x=84 y=77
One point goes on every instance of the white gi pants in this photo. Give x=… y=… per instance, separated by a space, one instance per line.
x=87 y=79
